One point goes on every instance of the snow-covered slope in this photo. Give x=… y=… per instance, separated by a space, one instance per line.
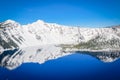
x=41 y=41
x=13 y=35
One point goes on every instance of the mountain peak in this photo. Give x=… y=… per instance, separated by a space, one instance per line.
x=9 y=21
x=40 y=21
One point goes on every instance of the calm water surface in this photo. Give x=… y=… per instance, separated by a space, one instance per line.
x=72 y=67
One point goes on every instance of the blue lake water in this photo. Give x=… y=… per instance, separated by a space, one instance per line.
x=72 y=67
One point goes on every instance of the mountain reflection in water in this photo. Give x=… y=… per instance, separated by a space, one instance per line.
x=12 y=59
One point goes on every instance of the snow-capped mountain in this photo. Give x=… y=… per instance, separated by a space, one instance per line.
x=41 y=41
x=13 y=35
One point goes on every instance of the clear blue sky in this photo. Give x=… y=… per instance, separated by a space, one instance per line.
x=85 y=13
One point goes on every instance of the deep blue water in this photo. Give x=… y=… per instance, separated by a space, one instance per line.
x=72 y=67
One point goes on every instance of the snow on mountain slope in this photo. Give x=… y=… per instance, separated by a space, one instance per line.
x=40 y=41
x=13 y=35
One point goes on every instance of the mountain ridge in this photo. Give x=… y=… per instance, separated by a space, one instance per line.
x=39 y=42
x=14 y=35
